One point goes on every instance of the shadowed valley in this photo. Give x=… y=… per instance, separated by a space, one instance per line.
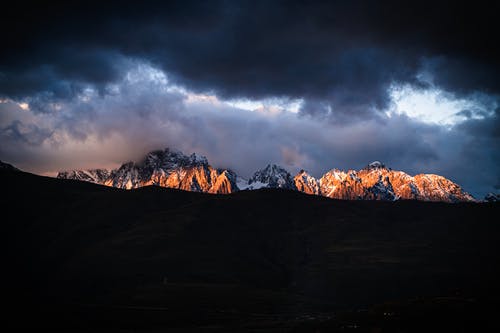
x=90 y=257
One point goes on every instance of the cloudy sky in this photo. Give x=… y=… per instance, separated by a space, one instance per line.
x=304 y=84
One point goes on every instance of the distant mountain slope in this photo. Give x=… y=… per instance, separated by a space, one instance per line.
x=173 y=169
x=7 y=166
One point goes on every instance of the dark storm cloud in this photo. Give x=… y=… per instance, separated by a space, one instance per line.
x=340 y=57
x=61 y=76
x=344 y=53
x=463 y=76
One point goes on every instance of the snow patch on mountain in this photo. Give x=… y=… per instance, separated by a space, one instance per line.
x=97 y=176
x=492 y=197
x=242 y=184
x=375 y=165
x=306 y=183
x=272 y=176
x=170 y=168
x=382 y=190
x=167 y=168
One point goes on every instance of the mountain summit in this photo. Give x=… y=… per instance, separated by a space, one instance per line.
x=166 y=168
x=377 y=182
x=173 y=169
x=272 y=176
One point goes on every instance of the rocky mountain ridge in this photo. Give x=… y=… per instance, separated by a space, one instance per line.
x=173 y=169
x=377 y=182
x=166 y=168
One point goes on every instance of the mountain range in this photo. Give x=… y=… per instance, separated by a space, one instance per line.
x=173 y=169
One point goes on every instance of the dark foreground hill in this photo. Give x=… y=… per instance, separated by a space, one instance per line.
x=86 y=257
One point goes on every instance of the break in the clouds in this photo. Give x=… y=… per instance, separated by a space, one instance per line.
x=309 y=85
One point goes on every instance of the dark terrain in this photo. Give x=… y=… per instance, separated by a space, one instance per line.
x=84 y=257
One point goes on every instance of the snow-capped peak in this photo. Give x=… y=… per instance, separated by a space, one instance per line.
x=167 y=168
x=272 y=176
x=171 y=159
x=92 y=175
x=375 y=165
x=492 y=197
x=337 y=174
x=198 y=159
x=170 y=168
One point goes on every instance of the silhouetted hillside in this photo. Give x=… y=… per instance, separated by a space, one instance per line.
x=87 y=256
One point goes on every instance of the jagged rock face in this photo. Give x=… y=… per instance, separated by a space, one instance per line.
x=437 y=188
x=272 y=176
x=376 y=182
x=98 y=176
x=306 y=183
x=173 y=169
x=338 y=184
x=163 y=168
x=224 y=183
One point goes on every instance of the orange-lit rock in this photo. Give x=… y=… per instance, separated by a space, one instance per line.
x=163 y=168
x=173 y=169
x=376 y=182
x=306 y=183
